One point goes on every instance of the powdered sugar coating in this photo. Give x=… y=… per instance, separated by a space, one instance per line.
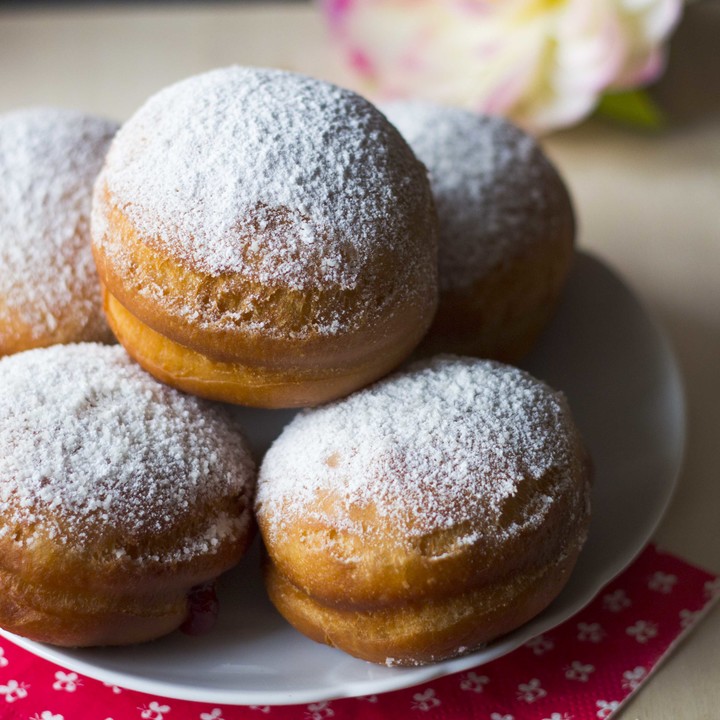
x=490 y=180
x=448 y=443
x=49 y=159
x=288 y=180
x=91 y=445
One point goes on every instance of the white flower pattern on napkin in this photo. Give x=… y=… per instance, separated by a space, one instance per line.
x=616 y=601
x=67 y=682
x=590 y=632
x=319 y=711
x=632 y=679
x=642 y=631
x=531 y=691
x=662 y=582
x=215 y=714
x=540 y=644
x=474 y=682
x=578 y=671
x=154 y=711
x=14 y=691
x=425 y=701
x=606 y=708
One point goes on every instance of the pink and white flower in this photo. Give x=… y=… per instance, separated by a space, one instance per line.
x=543 y=63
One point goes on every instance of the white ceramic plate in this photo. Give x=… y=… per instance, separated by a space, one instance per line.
x=622 y=381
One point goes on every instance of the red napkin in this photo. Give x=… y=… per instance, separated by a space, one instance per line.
x=584 y=669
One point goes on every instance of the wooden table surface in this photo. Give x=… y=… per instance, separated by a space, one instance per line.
x=648 y=204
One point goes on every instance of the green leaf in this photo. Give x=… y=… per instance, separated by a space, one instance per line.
x=632 y=107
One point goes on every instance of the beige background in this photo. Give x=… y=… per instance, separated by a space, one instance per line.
x=648 y=204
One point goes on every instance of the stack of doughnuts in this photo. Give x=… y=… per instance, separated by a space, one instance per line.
x=266 y=239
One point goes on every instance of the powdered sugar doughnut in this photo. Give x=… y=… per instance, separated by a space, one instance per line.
x=49 y=292
x=427 y=514
x=117 y=496
x=506 y=229
x=265 y=238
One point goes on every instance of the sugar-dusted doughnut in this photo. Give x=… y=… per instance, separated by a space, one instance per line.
x=427 y=514
x=118 y=496
x=49 y=291
x=507 y=229
x=265 y=238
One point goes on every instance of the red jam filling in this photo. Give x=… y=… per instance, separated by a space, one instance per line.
x=203 y=608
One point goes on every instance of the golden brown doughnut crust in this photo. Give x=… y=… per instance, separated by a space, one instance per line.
x=17 y=335
x=421 y=602
x=223 y=360
x=74 y=598
x=344 y=569
x=427 y=629
x=502 y=314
